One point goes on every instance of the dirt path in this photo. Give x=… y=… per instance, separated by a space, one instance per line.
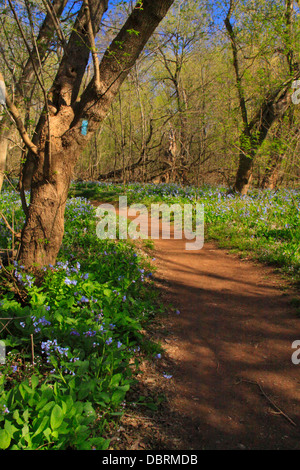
x=229 y=351
x=233 y=383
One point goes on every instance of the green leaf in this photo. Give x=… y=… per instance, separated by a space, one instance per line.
x=4 y=439
x=107 y=292
x=10 y=428
x=47 y=434
x=34 y=381
x=100 y=443
x=57 y=417
x=40 y=424
x=84 y=391
x=47 y=407
x=16 y=416
x=115 y=380
x=117 y=397
x=58 y=317
x=26 y=415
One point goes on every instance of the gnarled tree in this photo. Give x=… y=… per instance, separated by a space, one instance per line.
x=274 y=104
x=60 y=136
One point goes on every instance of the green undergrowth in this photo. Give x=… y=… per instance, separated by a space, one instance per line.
x=73 y=336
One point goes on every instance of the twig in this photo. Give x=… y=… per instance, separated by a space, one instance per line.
x=20 y=125
x=92 y=44
x=40 y=78
x=13 y=231
x=269 y=400
x=32 y=349
x=17 y=235
x=59 y=31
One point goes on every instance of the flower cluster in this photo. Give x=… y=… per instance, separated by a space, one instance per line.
x=49 y=347
x=39 y=322
x=23 y=279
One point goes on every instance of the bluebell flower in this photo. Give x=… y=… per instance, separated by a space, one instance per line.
x=166 y=376
x=74 y=332
x=5 y=410
x=90 y=333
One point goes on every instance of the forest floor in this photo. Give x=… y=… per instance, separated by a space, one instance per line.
x=232 y=383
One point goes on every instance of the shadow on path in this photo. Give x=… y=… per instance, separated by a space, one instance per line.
x=233 y=383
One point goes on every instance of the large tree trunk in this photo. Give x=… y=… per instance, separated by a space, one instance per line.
x=272 y=173
x=271 y=111
x=273 y=108
x=244 y=174
x=56 y=156
x=43 y=232
x=274 y=162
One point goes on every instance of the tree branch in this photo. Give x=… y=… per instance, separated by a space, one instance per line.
x=118 y=60
x=19 y=123
x=92 y=44
x=234 y=48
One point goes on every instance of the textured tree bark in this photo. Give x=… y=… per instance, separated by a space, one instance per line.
x=244 y=174
x=44 y=228
x=56 y=156
x=272 y=173
x=272 y=110
x=272 y=170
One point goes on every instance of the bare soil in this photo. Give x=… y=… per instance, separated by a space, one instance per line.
x=233 y=383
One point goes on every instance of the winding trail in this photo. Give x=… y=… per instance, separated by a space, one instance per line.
x=233 y=383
